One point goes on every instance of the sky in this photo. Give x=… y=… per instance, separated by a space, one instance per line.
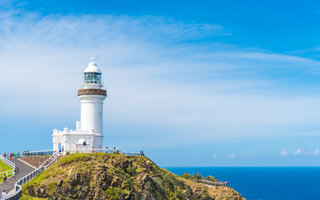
x=205 y=83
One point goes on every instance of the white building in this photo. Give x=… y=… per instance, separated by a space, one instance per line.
x=89 y=130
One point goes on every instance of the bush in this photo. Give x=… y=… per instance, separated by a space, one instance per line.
x=187 y=176
x=197 y=176
x=211 y=178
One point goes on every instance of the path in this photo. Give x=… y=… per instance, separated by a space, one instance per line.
x=211 y=183
x=22 y=170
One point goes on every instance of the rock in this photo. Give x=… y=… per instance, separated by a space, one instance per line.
x=60 y=183
x=76 y=179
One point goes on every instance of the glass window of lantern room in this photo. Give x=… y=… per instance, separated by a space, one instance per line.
x=92 y=78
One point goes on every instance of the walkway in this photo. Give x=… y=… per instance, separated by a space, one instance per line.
x=22 y=170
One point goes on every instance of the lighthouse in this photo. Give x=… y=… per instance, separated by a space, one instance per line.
x=88 y=134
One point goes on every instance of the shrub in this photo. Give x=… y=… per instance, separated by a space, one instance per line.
x=211 y=178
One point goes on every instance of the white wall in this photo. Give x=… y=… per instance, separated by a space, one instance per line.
x=92 y=113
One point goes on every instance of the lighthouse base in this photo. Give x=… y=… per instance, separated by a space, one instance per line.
x=77 y=140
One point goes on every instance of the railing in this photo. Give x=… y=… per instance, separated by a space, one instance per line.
x=17 y=195
x=105 y=151
x=51 y=159
x=39 y=153
x=10 y=164
x=7 y=173
x=211 y=183
x=91 y=91
x=18 y=185
x=7 y=162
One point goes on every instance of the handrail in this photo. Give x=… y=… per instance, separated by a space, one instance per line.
x=7 y=172
x=39 y=153
x=9 y=163
x=210 y=182
x=51 y=159
x=18 y=185
x=105 y=151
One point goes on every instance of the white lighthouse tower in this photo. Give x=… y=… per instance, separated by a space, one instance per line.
x=89 y=130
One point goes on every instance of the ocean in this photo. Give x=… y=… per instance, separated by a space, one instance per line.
x=265 y=183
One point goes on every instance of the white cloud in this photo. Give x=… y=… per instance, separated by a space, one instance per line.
x=232 y=156
x=316 y=152
x=299 y=151
x=214 y=156
x=151 y=76
x=284 y=152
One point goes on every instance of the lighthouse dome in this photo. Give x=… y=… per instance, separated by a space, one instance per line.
x=92 y=67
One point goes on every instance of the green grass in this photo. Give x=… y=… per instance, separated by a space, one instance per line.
x=30 y=198
x=3 y=168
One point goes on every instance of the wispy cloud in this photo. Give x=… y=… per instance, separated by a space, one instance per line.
x=215 y=90
x=232 y=155
x=316 y=152
x=299 y=151
x=284 y=152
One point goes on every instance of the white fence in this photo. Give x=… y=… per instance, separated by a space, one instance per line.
x=18 y=185
x=38 y=153
x=104 y=151
x=81 y=150
x=207 y=182
x=10 y=164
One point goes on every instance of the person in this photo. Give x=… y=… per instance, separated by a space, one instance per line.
x=226 y=183
x=77 y=149
x=92 y=150
x=106 y=149
x=5 y=178
x=14 y=174
x=3 y=194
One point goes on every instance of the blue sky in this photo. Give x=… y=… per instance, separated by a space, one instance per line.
x=212 y=83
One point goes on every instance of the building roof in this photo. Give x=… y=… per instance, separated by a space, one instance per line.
x=92 y=67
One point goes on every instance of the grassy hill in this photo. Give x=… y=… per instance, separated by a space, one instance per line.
x=114 y=176
x=3 y=168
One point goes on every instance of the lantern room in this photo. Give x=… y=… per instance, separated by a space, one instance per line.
x=92 y=74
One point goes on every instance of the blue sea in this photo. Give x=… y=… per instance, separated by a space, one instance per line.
x=265 y=183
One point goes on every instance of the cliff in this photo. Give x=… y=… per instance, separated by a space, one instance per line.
x=114 y=176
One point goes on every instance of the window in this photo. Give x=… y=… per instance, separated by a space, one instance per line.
x=92 y=77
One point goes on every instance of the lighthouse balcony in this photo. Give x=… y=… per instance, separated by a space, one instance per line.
x=92 y=92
